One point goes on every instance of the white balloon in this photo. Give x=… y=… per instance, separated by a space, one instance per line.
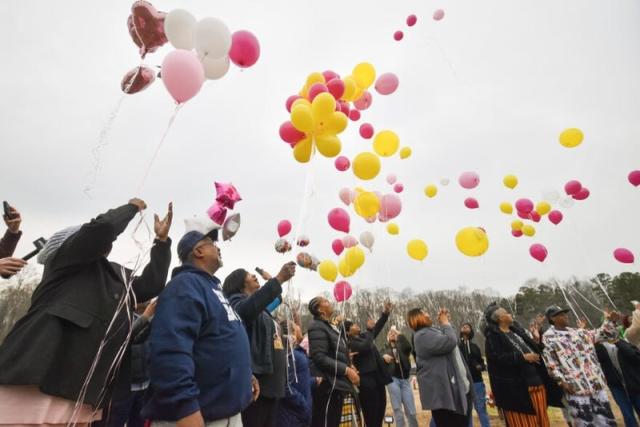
x=179 y=27
x=215 y=68
x=551 y=196
x=444 y=181
x=567 y=202
x=367 y=239
x=213 y=38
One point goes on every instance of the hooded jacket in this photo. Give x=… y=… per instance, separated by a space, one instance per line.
x=472 y=355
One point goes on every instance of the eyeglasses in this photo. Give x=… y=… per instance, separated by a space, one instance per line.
x=206 y=243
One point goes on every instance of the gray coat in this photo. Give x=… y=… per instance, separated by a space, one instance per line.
x=441 y=385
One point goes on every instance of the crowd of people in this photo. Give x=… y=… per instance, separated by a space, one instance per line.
x=107 y=346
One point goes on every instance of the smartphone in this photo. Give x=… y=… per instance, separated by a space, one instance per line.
x=7 y=210
x=259 y=271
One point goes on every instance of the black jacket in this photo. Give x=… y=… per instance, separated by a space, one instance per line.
x=472 y=355
x=403 y=353
x=325 y=342
x=55 y=343
x=504 y=364
x=140 y=350
x=368 y=360
x=629 y=359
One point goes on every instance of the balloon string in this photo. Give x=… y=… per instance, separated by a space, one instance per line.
x=158 y=147
x=566 y=299
x=579 y=307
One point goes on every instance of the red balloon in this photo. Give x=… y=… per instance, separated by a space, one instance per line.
x=344 y=107
x=398 y=188
x=555 y=217
x=572 y=187
x=538 y=251
x=582 y=194
x=337 y=246
x=316 y=89
x=524 y=206
x=336 y=88
x=411 y=20
x=290 y=134
x=291 y=100
x=471 y=203
x=535 y=216
x=137 y=79
x=398 y=35
x=245 y=49
x=284 y=228
x=146 y=27
x=354 y=115
x=366 y=130
x=342 y=291
x=624 y=256
x=524 y=215
x=330 y=75
x=516 y=233
x=342 y=163
x=634 y=178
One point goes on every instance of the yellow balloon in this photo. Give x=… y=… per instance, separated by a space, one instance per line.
x=302 y=118
x=393 y=229
x=359 y=189
x=417 y=249
x=366 y=165
x=350 y=88
x=506 y=208
x=302 y=150
x=343 y=268
x=430 y=191
x=336 y=123
x=571 y=137
x=543 y=208
x=355 y=258
x=528 y=230
x=510 y=181
x=328 y=270
x=314 y=78
x=365 y=74
x=405 y=152
x=358 y=93
x=386 y=143
x=300 y=101
x=328 y=145
x=366 y=204
x=323 y=106
x=517 y=225
x=472 y=241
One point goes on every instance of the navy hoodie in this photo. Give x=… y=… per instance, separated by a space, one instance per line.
x=200 y=357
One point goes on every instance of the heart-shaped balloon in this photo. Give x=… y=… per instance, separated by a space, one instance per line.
x=146 y=27
x=137 y=79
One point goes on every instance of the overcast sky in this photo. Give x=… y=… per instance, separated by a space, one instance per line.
x=488 y=89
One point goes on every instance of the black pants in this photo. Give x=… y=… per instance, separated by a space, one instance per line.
x=261 y=413
x=373 y=401
x=125 y=410
x=321 y=416
x=447 y=418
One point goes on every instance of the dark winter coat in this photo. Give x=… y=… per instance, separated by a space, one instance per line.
x=629 y=359
x=294 y=409
x=325 y=342
x=472 y=355
x=140 y=350
x=54 y=345
x=8 y=243
x=368 y=361
x=404 y=350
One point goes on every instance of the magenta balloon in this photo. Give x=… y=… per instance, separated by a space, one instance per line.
x=290 y=134
x=538 y=252
x=524 y=206
x=516 y=233
x=438 y=15
x=245 y=49
x=342 y=163
x=316 y=89
x=471 y=203
x=572 y=187
x=535 y=216
x=387 y=83
x=469 y=180
x=364 y=101
x=330 y=75
x=624 y=256
x=390 y=206
x=291 y=100
x=342 y=291
x=284 y=227
x=349 y=241
x=366 y=130
x=391 y=178
x=337 y=246
x=336 y=88
x=398 y=35
x=354 y=115
x=555 y=217
x=339 y=219
x=411 y=20
x=582 y=194
x=182 y=74
x=634 y=178
x=398 y=188
x=524 y=215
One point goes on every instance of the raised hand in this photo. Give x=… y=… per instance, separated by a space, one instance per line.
x=162 y=227
x=13 y=224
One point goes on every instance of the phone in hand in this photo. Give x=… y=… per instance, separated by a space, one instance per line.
x=7 y=210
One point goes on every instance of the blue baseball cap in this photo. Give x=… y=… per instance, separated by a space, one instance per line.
x=188 y=242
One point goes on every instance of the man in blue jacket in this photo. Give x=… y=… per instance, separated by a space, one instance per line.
x=200 y=357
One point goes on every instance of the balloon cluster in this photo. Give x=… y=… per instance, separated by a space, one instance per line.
x=226 y=197
x=282 y=245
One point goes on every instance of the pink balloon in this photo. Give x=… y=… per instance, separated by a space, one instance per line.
x=346 y=195
x=245 y=49
x=387 y=83
x=330 y=75
x=391 y=178
x=291 y=100
x=342 y=291
x=342 y=163
x=535 y=216
x=411 y=20
x=398 y=188
x=336 y=88
x=634 y=178
x=339 y=219
x=471 y=203
x=390 y=206
x=555 y=217
x=516 y=233
x=469 y=180
x=524 y=206
x=344 y=107
x=538 y=251
x=316 y=89
x=349 y=241
x=366 y=130
x=354 y=115
x=398 y=35
x=572 y=187
x=337 y=246
x=284 y=227
x=290 y=134
x=624 y=256
x=364 y=101
x=582 y=194
x=370 y=219
x=182 y=74
x=438 y=15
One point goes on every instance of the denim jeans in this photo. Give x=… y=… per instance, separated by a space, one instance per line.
x=480 y=403
x=401 y=394
x=627 y=403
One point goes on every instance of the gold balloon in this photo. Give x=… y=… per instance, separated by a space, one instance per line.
x=528 y=230
x=517 y=225
x=510 y=181
x=405 y=152
x=571 y=137
x=393 y=229
x=430 y=191
x=355 y=258
x=328 y=145
x=323 y=107
x=328 y=270
x=350 y=88
x=302 y=118
x=506 y=208
x=417 y=249
x=472 y=241
x=366 y=166
x=336 y=123
x=386 y=143
x=302 y=150
x=343 y=268
x=314 y=78
x=364 y=74
x=366 y=204
x=543 y=208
